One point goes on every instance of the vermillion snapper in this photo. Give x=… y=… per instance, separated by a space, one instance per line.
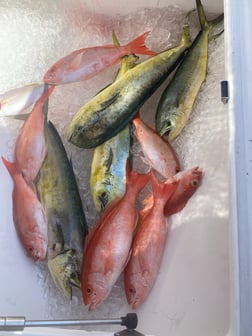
x=158 y=153
x=108 y=244
x=148 y=246
x=28 y=215
x=87 y=62
x=188 y=182
x=30 y=147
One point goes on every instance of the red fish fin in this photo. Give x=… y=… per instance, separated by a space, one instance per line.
x=148 y=203
x=137 y=46
x=165 y=190
x=127 y=260
x=135 y=179
x=11 y=167
x=76 y=62
x=168 y=210
x=136 y=116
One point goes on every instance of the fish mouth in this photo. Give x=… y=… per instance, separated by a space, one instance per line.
x=65 y=272
x=135 y=303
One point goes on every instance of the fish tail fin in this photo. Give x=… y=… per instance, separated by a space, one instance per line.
x=204 y=23
x=137 y=46
x=135 y=179
x=10 y=166
x=161 y=189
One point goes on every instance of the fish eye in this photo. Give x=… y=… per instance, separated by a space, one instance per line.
x=30 y=249
x=177 y=169
x=90 y=291
x=194 y=183
x=132 y=290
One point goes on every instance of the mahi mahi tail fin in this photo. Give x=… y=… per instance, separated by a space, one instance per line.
x=204 y=23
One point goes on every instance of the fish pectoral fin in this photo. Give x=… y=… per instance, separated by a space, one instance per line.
x=127 y=260
x=75 y=280
x=110 y=101
x=76 y=62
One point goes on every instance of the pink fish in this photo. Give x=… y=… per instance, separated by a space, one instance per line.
x=188 y=182
x=109 y=243
x=148 y=246
x=28 y=215
x=17 y=100
x=158 y=153
x=30 y=148
x=87 y=62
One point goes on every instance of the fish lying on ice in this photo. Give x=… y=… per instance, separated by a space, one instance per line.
x=108 y=168
x=17 y=100
x=67 y=227
x=87 y=62
x=28 y=215
x=148 y=246
x=176 y=102
x=188 y=182
x=109 y=243
x=110 y=111
x=158 y=153
x=30 y=147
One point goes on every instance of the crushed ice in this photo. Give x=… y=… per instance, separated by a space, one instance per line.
x=48 y=35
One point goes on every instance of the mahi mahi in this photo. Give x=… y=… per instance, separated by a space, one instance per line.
x=110 y=111
x=176 y=102
x=58 y=191
x=108 y=169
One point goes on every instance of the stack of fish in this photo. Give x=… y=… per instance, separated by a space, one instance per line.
x=123 y=239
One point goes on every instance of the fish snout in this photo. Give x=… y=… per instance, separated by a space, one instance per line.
x=133 y=297
x=90 y=297
x=196 y=177
x=34 y=254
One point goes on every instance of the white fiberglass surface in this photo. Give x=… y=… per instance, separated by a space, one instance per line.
x=192 y=293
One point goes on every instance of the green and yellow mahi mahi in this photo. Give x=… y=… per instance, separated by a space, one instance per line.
x=177 y=100
x=67 y=226
x=108 y=169
x=110 y=111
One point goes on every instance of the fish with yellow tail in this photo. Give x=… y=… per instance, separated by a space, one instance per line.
x=176 y=102
x=109 y=242
x=85 y=63
x=110 y=111
x=148 y=246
